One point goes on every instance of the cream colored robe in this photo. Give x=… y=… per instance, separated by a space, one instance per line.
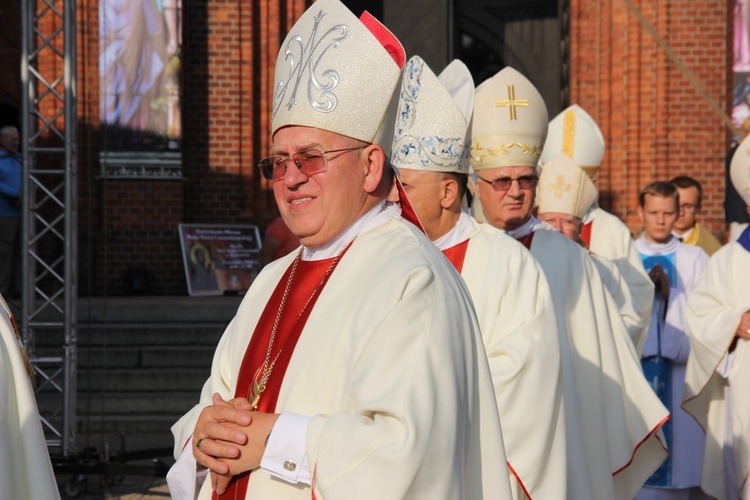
x=25 y=468
x=620 y=414
x=518 y=324
x=611 y=239
x=390 y=367
x=714 y=309
x=620 y=292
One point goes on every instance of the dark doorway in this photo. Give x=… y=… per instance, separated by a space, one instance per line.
x=525 y=34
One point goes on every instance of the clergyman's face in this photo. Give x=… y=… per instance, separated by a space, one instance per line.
x=506 y=209
x=319 y=207
x=689 y=208
x=567 y=224
x=658 y=214
x=424 y=192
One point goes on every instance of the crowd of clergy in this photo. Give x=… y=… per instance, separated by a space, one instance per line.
x=462 y=320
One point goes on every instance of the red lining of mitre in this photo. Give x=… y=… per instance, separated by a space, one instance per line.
x=387 y=39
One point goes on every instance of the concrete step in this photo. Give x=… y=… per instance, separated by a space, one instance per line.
x=94 y=380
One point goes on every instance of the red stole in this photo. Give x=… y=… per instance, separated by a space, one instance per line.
x=308 y=276
x=526 y=240
x=456 y=254
x=586 y=233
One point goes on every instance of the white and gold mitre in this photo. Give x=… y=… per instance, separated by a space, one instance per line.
x=338 y=73
x=510 y=122
x=739 y=170
x=564 y=188
x=431 y=126
x=574 y=133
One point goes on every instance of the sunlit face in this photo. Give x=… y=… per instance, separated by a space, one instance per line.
x=689 y=208
x=424 y=190
x=506 y=209
x=319 y=207
x=567 y=224
x=658 y=214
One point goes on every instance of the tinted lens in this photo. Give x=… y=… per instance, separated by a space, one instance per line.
x=266 y=167
x=527 y=182
x=309 y=162
x=502 y=184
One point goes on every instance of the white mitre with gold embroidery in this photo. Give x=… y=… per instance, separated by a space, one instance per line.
x=510 y=122
x=431 y=126
x=739 y=170
x=574 y=133
x=334 y=72
x=564 y=188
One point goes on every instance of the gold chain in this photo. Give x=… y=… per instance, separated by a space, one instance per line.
x=264 y=371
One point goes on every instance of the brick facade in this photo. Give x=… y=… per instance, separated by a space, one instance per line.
x=655 y=121
x=656 y=124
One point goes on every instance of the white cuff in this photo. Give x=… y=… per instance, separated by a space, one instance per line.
x=286 y=451
x=183 y=478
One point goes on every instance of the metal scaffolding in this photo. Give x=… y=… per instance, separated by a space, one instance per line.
x=48 y=139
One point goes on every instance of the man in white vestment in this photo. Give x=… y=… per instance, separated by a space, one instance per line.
x=675 y=268
x=509 y=126
x=564 y=196
x=25 y=467
x=565 y=193
x=354 y=367
x=718 y=368
x=509 y=291
x=576 y=134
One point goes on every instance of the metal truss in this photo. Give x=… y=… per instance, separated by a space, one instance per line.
x=48 y=139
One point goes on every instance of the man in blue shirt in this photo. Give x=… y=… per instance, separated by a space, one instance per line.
x=11 y=171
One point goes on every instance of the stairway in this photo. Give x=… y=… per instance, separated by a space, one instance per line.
x=142 y=362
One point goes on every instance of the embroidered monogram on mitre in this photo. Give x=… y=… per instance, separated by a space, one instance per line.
x=305 y=61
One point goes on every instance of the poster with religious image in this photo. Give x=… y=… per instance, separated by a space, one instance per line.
x=139 y=71
x=219 y=259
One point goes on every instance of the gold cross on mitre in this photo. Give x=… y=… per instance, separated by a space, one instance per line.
x=559 y=186
x=511 y=102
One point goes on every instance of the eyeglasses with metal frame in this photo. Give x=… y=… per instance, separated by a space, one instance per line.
x=309 y=162
x=504 y=183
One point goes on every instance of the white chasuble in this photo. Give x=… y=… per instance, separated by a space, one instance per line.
x=667 y=338
x=611 y=239
x=518 y=325
x=390 y=368
x=620 y=292
x=25 y=467
x=714 y=310
x=620 y=414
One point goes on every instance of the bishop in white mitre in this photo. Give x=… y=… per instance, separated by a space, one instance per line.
x=576 y=134
x=718 y=368
x=509 y=127
x=564 y=195
x=510 y=293
x=354 y=367
x=25 y=467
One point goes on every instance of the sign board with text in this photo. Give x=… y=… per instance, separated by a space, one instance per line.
x=220 y=259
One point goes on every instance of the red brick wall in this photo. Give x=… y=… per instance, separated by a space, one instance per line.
x=229 y=51
x=656 y=124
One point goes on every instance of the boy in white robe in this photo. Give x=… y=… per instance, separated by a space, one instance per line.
x=675 y=268
x=718 y=318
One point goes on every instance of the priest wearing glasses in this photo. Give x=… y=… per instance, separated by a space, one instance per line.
x=354 y=366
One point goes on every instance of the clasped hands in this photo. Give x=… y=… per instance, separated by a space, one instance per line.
x=743 y=329
x=230 y=438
